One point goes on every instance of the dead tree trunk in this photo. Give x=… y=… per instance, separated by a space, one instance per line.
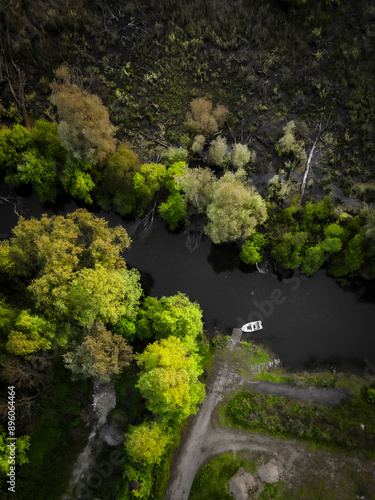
x=321 y=128
x=308 y=164
x=303 y=186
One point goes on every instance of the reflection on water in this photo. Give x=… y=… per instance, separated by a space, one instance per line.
x=306 y=320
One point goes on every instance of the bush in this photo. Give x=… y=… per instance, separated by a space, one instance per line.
x=218 y=149
x=289 y=144
x=251 y=249
x=173 y=155
x=241 y=156
x=198 y=143
x=173 y=210
x=204 y=118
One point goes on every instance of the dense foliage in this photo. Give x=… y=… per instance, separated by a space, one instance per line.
x=202 y=113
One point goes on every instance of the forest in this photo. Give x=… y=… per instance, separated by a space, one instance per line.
x=245 y=122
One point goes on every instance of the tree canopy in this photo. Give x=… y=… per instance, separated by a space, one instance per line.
x=198 y=185
x=84 y=127
x=235 y=210
x=146 y=443
x=101 y=355
x=169 y=379
x=73 y=267
x=175 y=315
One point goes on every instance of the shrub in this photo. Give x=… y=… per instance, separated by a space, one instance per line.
x=252 y=248
x=218 y=148
x=289 y=144
x=241 y=156
x=173 y=155
x=198 y=143
x=204 y=118
x=84 y=129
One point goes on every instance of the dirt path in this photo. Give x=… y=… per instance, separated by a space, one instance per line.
x=326 y=396
x=188 y=458
x=203 y=441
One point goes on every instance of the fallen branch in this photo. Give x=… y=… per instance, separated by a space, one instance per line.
x=147 y=221
x=155 y=140
x=14 y=204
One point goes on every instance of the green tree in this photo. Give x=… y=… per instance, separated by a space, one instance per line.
x=173 y=210
x=147 y=182
x=235 y=210
x=251 y=250
x=317 y=214
x=76 y=179
x=73 y=268
x=32 y=156
x=175 y=315
x=198 y=185
x=84 y=127
x=332 y=245
x=354 y=254
x=369 y=227
x=37 y=171
x=169 y=379
x=146 y=443
x=116 y=186
x=313 y=260
x=30 y=333
x=22 y=445
x=13 y=143
x=101 y=355
x=288 y=251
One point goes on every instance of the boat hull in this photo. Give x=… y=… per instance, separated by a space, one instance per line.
x=254 y=326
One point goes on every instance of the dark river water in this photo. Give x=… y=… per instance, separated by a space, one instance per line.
x=307 y=321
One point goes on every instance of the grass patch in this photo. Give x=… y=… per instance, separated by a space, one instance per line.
x=323 y=379
x=350 y=425
x=211 y=481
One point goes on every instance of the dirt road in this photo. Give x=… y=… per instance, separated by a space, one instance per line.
x=204 y=441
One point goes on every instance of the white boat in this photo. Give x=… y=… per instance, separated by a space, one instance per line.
x=252 y=327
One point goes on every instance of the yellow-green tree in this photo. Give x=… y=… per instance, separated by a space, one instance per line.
x=21 y=446
x=30 y=333
x=146 y=443
x=175 y=315
x=169 y=379
x=73 y=268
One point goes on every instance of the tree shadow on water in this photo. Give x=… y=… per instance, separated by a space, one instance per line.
x=224 y=257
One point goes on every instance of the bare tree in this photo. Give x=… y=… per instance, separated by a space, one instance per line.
x=16 y=79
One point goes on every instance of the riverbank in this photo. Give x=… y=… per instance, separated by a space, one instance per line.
x=298 y=464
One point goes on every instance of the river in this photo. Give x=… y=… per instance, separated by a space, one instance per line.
x=307 y=321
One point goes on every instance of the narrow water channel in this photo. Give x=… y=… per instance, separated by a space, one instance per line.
x=307 y=321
